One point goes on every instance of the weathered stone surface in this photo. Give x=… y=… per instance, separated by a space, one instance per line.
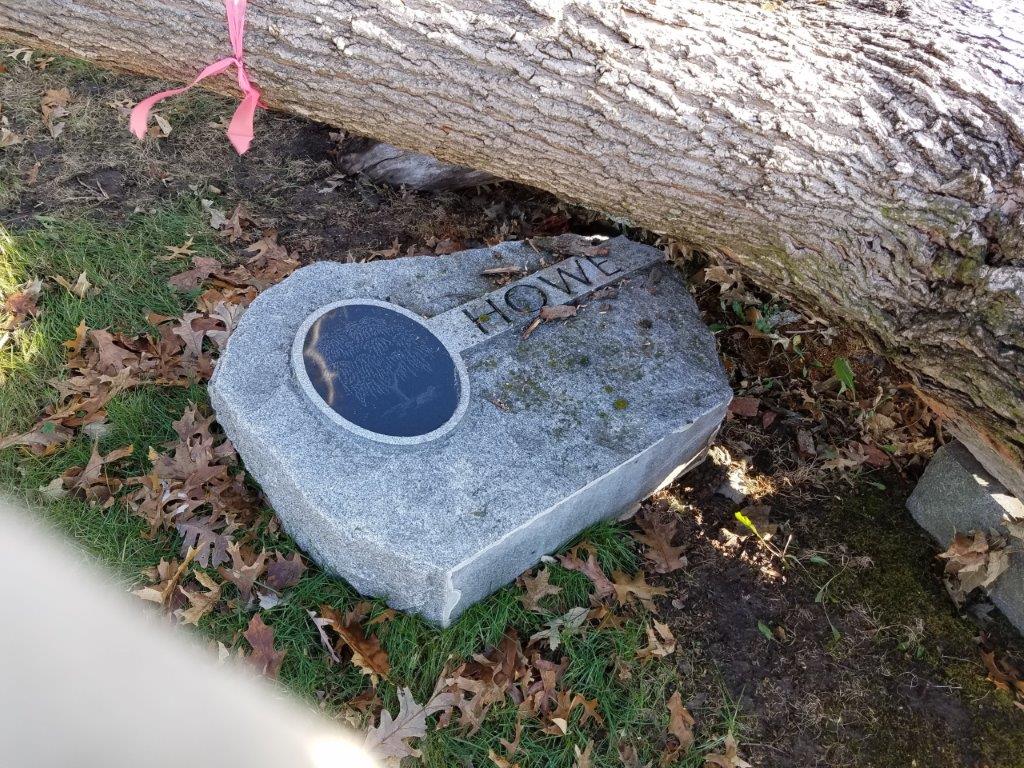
x=956 y=494
x=569 y=426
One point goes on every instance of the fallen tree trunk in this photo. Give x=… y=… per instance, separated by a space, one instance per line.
x=863 y=157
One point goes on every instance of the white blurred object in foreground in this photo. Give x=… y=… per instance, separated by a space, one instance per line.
x=89 y=679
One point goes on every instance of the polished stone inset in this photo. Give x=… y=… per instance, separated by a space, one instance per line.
x=380 y=369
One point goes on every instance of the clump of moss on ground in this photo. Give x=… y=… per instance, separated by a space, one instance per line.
x=902 y=591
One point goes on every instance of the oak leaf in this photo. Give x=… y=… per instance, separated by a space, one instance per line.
x=499 y=761
x=367 y=653
x=53 y=106
x=264 y=656
x=242 y=574
x=1004 y=675
x=284 y=572
x=178 y=251
x=202 y=268
x=565 y=703
x=267 y=248
x=537 y=588
x=200 y=603
x=656 y=534
x=570 y=624
x=390 y=737
x=730 y=758
x=209 y=536
x=589 y=568
x=74 y=346
x=680 y=723
x=80 y=288
x=112 y=356
x=628 y=587
x=24 y=301
x=165 y=578
x=41 y=440
x=974 y=560
x=557 y=312
x=228 y=314
x=660 y=642
x=321 y=625
x=216 y=215
x=584 y=757
x=90 y=482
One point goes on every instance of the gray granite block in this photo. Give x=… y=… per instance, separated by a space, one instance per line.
x=569 y=426
x=956 y=495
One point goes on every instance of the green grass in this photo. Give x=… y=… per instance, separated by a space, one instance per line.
x=122 y=265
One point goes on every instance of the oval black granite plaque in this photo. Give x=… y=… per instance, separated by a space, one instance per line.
x=381 y=370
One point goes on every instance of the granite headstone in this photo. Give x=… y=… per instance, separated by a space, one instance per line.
x=421 y=437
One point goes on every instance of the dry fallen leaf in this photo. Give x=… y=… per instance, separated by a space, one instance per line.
x=113 y=355
x=284 y=572
x=584 y=757
x=1003 y=674
x=628 y=755
x=216 y=215
x=41 y=440
x=569 y=623
x=974 y=560
x=660 y=642
x=537 y=588
x=1014 y=525
x=264 y=656
x=202 y=268
x=589 y=568
x=161 y=127
x=745 y=406
x=233 y=226
x=201 y=603
x=367 y=653
x=499 y=761
x=680 y=723
x=557 y=312
x=8 y=138
x=657 y=532
x=24 y=301
x=730 y=758
x=165 y=578
x=53 y=106
x=178 y=251
x=390 y=737
x=80 y=288
x=627 y=587
x=242 y=574
x=387 y=253
x=321 y=625
x=91 y=482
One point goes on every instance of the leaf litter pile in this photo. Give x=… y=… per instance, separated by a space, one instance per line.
x=774 y=607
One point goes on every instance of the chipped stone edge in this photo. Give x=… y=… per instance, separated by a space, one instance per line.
x=453 y=596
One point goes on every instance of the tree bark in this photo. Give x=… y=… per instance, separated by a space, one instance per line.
x=863 y=157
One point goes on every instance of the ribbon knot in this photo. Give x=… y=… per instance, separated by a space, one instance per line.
x=240 y=130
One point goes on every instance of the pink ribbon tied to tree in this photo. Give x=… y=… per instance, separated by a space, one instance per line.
x=240 y=131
